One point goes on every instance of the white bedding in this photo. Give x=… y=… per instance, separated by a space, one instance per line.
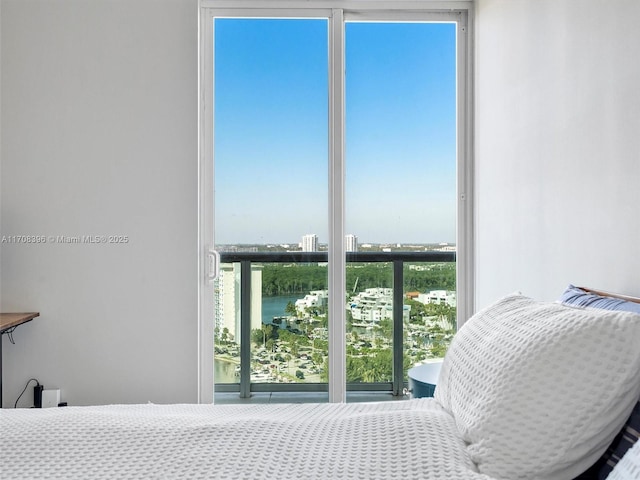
x=528 y=390
x=388 y=440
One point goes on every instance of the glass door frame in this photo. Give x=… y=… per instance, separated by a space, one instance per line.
x=208 y=262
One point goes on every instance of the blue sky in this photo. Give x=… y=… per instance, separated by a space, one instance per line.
x=271 y=137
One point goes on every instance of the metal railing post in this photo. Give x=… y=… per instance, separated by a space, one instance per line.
x=398 y=328
x=245 y=328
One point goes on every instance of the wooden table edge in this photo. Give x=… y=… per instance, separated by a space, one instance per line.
x=8 y=320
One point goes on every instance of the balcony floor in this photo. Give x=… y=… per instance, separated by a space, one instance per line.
x=303 y=397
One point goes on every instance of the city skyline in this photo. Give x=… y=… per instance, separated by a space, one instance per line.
x=352 y=244
x=271 y=135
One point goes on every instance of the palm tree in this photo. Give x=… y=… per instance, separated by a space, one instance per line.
x=291 y=309
x=270 y=344
x=294 y=347
x=257 y=336
x=288 y=359
x=267 y=332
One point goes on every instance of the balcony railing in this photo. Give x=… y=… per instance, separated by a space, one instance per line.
x=397 y=259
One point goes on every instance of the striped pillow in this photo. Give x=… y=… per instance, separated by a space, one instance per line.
x=627 y=437
x=586 y=297
x=629 y=467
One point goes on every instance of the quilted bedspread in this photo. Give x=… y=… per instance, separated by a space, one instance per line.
x=387 y=440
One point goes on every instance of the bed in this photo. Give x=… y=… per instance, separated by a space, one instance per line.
x=528 y=390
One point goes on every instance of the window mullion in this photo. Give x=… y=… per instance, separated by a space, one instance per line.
x=465 y=255
x=205 y=211
x=337 y=261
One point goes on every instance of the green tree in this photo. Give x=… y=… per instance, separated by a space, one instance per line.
x=317 y=358
x=288 y=359
x=270 y=345
x=385 y=327
x=257 y=336
x=293 y=345
x=291 y=309
x=285 y=336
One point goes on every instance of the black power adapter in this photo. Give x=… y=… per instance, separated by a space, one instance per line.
x=37 y=396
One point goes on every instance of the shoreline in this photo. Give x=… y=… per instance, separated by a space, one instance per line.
x=227 y=358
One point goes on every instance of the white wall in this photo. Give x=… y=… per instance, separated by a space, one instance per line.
x=99 y=137
x=557 y=147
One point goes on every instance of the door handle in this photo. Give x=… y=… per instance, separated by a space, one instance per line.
x=214 y=265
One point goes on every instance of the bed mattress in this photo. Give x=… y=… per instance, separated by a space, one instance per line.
x=387 y=440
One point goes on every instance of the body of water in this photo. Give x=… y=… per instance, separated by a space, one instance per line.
x=274 y=306
x=225 y=372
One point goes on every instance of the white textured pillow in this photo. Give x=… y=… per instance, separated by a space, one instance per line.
x=539 y=390
x=629 y=467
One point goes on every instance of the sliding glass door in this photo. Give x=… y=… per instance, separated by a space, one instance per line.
x=333 y=164
x=400 y=198
x=270 y=169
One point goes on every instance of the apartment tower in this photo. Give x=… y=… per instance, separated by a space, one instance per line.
x=310 y=243
x=351 y=243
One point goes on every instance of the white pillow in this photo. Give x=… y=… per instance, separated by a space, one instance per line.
x=629 y=467
x=539 y=390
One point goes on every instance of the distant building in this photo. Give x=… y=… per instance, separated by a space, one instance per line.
x=445 y=247
x=438 y=297
x=227 y=299
x=315 y=298
x=373 y=305
x=351 y=243
x=310 y=243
